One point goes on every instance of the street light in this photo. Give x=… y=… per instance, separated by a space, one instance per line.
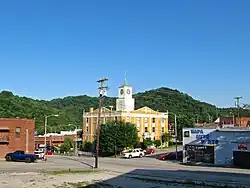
x=76 y=150
x=175 y=126
x=45 y=131
x=233 y=116
x=111 y=108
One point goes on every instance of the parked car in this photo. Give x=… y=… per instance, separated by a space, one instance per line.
x=84 y=153
x=133 y=153
x=39 y=153
x=171 y=156
x=149 y=151
x=49 y=152
x=20 y=155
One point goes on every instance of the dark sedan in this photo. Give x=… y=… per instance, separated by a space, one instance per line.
x=171 y=156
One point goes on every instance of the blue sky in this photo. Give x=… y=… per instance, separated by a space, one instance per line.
x=57 y=48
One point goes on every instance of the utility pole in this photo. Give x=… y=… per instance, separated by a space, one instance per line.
x=238 y=106
x=102 y=88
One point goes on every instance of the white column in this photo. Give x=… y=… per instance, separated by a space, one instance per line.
x=27 y=140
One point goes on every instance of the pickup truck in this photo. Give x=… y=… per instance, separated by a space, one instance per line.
x=133 y=153
x=20 y=156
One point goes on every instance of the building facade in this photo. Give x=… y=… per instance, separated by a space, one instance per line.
x=243 y=121
x=150 y=123
x=57 y=139
x=16 y=134
x=233 y=121
x=217 y=146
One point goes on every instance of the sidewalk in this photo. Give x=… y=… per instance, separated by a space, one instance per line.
x=207 y=180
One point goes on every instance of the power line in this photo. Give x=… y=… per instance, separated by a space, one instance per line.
x=102 y=89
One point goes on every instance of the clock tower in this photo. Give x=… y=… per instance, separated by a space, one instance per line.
x=125 y=101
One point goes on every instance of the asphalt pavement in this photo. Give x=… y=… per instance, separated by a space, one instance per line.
x=58 y=162
x=149 y=166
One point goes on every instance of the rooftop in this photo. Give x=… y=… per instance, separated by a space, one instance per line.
x=224 y=129
x=16 y=119
x=62 y=133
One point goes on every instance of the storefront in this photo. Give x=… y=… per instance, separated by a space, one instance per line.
x=214 y=146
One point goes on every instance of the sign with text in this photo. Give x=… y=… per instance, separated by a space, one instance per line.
x=197 y=131
x=205 y=139
x=198 y=136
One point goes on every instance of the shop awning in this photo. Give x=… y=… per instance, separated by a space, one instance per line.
x=4 y=128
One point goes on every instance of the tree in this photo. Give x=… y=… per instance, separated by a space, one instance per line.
x=157 y=143
x=166 y=137
x=67 y=145
x=70 y=108
x=87 y=146
x=148 y=142
x=115 y=136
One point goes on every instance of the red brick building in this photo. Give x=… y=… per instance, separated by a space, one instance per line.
x=54 y=139
x=16 y=134
x=243 y=121
x=235 y=121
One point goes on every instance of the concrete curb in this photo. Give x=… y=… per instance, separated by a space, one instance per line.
x=164 y=179
x=207 y=165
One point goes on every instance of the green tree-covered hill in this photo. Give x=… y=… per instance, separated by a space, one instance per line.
x=71 y=108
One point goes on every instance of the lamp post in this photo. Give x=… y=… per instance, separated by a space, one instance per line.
x=45 y=129
x=76 y=150
x=176 y=146
x=175 y=127
x=233 y=117
x=111 y=108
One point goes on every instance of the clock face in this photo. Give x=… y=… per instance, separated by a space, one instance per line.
x=121 y=91
x=128 y=91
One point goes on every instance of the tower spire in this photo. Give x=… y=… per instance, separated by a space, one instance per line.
x=125 y=78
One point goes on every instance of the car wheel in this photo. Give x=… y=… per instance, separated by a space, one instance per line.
x=8 y=158
x=28 y=160
x=130 y=156
x=140 y=156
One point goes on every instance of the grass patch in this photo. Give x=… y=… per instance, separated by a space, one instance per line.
x=61 y=172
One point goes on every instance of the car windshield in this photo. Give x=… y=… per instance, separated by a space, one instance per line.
x=129 y=151
x=19 y=152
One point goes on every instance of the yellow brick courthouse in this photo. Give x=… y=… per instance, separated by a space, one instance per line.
x=150 y=123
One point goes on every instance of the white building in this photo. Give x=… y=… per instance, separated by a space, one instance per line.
x=214 y=146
